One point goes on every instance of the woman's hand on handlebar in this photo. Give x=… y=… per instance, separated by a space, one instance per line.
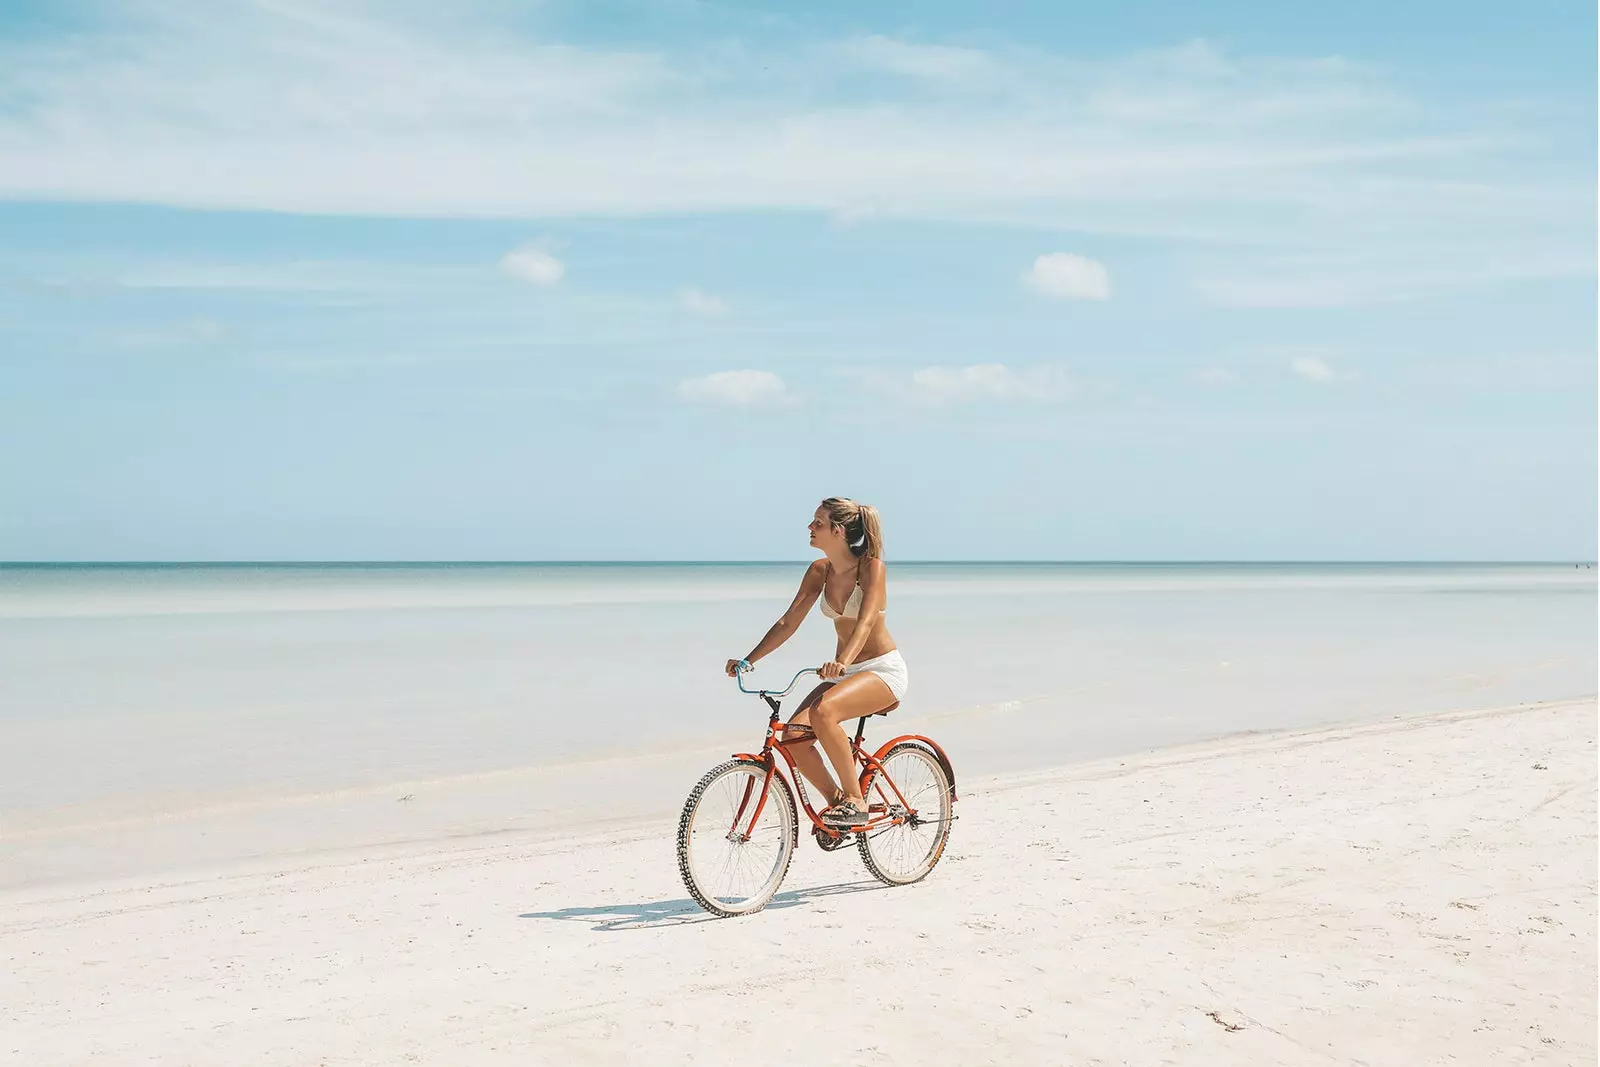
x=735 y=665
x=831 y=670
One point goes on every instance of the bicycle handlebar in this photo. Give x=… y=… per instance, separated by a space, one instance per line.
x=738 y=676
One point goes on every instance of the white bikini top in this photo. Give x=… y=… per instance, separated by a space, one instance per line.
x=852 y=605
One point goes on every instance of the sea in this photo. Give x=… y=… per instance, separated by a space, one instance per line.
x=142 y=703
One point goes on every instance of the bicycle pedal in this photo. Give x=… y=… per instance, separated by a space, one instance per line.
x=831 y=842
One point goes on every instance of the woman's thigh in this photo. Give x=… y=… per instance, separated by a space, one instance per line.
x=802 y=717
x=857 y=695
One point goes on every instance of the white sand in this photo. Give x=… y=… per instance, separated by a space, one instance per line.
x=1415 y=892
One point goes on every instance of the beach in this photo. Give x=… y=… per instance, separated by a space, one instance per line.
x=1413 y=891
x=1256 y=814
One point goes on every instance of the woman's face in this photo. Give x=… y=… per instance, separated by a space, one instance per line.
x=824 y=534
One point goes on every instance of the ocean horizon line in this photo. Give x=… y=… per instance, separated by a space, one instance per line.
x=1285 y=562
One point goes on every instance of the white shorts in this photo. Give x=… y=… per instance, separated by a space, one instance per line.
x=890 y=666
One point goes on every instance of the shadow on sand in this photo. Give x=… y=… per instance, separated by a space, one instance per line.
x=684 y=912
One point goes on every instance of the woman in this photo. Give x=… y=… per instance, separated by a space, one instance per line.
x=867 y=674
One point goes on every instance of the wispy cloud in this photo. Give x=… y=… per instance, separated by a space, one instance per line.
x=189 y=333
x=1382 y=276
x=1313 y=368
x=980 y=382
x=1069 y=277
x=736 y=388
x=915 y=60
x=411 y=110
x=1215 y=376
x=533 y=265
x=1572 y=372
x=1322 y=364
x=703 y=303
x=295 y=276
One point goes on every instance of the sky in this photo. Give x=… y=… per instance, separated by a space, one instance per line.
x=324 y=280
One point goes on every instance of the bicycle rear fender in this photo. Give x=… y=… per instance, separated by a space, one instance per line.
x=944 y=760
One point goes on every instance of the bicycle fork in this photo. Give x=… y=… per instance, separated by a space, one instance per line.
x=734 y=833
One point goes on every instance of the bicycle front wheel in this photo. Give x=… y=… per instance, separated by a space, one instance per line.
x=732 y=856
x=913 y=784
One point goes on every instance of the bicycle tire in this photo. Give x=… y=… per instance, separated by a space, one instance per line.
x=703 y=868
x=901 y=855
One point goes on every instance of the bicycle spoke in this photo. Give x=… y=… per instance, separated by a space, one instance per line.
x=912 y=781
x=731 y=857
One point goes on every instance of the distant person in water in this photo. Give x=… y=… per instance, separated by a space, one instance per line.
x=867 y=674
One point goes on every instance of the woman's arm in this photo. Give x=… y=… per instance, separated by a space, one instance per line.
x=784 y=628
x=872 y=573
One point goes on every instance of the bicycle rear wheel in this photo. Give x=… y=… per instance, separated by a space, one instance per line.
x=900 y=855
x=729 y=865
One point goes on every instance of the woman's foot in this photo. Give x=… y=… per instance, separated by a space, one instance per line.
x=846 y=813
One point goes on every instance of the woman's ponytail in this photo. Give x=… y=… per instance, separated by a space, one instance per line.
x=871 y=534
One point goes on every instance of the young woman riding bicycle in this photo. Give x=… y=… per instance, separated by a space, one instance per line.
x=867 y=673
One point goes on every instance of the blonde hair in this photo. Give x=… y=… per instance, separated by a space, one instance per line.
x=862 y=531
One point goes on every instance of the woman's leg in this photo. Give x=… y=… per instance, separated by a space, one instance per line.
x=855 y=696
x=806 y=756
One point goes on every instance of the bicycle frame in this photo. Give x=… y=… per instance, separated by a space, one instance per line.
x=879 y=815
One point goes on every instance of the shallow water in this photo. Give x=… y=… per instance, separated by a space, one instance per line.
x=130 y=692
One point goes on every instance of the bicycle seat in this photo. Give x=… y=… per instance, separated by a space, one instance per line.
x=885 y=711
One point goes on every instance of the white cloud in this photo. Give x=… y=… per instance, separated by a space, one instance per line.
x=453 y=110
x=986 y=381
x=740 y=388
x=703 y=303
x=1312 y=369
x=1069 y=277
x=1215 y=376
x=533 y=265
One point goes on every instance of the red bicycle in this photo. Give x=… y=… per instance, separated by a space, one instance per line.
x=740 y=826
